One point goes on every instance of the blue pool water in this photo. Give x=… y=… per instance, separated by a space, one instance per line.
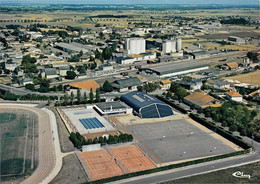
x=91 y=123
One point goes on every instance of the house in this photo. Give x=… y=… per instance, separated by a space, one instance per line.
x=201 y=100
x=63 y=70
x=222 y=84
x=192 y=85
x=165 y=84
x=257 y=92
x=235 y=96
x=25 y=81
x=51 y=73
x=128 y=84
x=232 y=65
x=10 y=65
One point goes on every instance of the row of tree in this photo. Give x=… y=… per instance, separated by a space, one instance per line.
x=78 y=140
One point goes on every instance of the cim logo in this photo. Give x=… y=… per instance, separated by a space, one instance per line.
x=240 y=174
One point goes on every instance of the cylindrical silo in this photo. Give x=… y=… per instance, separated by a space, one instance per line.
x=178 y=44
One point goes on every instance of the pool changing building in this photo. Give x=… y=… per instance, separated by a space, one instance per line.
x=147 y=106
x=112 y=108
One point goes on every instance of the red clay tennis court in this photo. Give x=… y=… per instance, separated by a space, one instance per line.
x=132 y=158
x=101 y=164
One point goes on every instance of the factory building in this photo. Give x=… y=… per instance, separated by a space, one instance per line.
x=171 y=46
x=135 y=45
x=236 y=39
x=175 y=68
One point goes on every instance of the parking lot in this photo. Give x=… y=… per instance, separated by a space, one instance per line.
x=176 y=140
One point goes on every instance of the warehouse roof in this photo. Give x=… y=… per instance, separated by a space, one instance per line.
x=199 y=99
x=50 y=71
x=232 y=65
x=177 y=67
x=124 y=83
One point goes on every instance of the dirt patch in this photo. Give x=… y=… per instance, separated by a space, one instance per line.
x=71 y=172
x=65 y=144
x=251 y=78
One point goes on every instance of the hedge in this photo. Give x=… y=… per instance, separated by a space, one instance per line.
x=172 y=166
x=219 y=130
x=174 y=105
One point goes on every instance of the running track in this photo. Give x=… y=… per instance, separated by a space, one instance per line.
x=46 y=157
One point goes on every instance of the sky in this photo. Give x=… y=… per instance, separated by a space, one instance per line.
x=234 y=2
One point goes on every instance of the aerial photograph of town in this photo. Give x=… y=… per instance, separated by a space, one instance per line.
x=129 y=92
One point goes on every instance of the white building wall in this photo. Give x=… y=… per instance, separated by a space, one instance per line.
x=135 y=45
x=183 y=72
x=237 y=99
x=178 y=44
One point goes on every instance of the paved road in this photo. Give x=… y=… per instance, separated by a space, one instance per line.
x=196 y=169
x=24 y=92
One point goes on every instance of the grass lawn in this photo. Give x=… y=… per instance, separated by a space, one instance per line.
x=7 y=117
x=18 y=153
x=225 y=176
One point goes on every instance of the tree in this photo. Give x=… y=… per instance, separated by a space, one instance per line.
x=71 y=75
x=71 y=98
x=59 y=87
x=30 y=87
x=98 y=95
x=98 y=55
x=78 y=96
x=187 y=78
x=253 y=56
x=101 y=35
x=140 y=88
x=66 y=99
x=107 y=87
x=150 y=87
x=85 y=98
x=107 y=53
x=91 y=96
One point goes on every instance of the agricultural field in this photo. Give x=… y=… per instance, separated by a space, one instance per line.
x=19 y=148
x=251 y=78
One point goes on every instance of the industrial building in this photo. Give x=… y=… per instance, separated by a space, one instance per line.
x=128 y=84
x=171 y=46
x=135 y=45
x=199 y=100
x=175 y=68
x=236 y=39
x=112 y=108
x=147 y=106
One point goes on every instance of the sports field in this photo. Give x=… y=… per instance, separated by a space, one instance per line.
x=101 y=164
x=19 y=132
x=107 y=163
x=177 y=140
x=132 y=158
x=251 y=78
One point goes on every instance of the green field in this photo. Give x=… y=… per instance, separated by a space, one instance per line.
x=7 y=117
x=225 y=176
x=19 y=150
